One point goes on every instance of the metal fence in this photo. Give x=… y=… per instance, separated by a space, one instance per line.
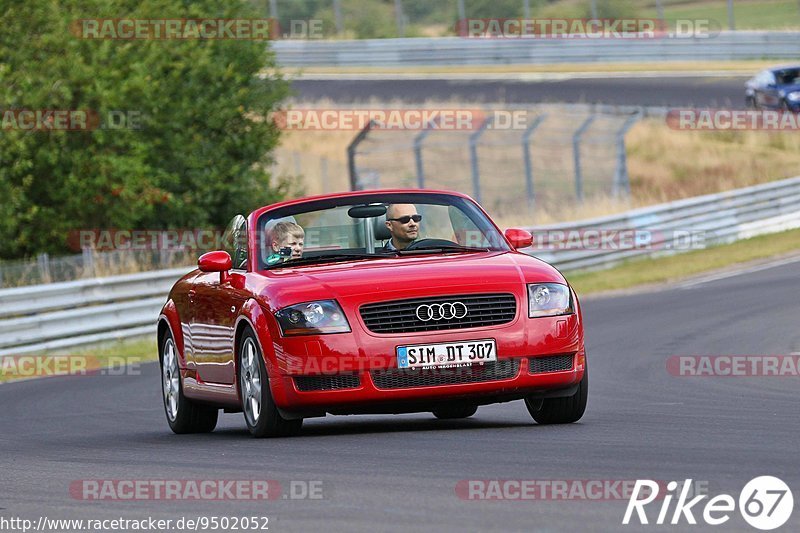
x=90 y=264
x=456 y=51
x=718 y=218
x=60 y=315
x=559 y=153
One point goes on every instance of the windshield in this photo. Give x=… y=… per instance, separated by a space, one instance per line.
x=357 y=228
x=787 y=76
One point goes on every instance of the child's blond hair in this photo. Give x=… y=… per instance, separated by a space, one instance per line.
x=282 y=230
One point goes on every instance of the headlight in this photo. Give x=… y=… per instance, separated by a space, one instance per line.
x=549 y=299
x=793 y=97
x=312 y=318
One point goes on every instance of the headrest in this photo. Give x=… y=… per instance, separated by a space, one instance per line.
x=381 y=231
x=271 y=223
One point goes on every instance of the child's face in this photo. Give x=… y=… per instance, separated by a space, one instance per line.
x=295 y=242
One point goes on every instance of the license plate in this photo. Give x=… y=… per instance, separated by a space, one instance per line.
x=446 y=354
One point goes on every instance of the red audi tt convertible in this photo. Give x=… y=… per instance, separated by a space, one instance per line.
x=387 y=301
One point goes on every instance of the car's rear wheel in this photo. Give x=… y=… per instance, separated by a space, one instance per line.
x=260 y=413
x=450 y=412
x=183 y=415
x=560 y=410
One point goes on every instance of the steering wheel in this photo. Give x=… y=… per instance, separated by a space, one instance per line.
x=431 y=243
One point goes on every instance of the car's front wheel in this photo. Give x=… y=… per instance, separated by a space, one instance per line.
x=183 y=415
x=560 y=410
x=260 y=413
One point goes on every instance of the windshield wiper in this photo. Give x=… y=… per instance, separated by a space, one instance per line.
x=330 y=259
x=441 y=249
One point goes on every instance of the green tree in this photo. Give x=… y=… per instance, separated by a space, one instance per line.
x=199 y=155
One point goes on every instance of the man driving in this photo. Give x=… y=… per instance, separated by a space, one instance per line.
x=402 y=220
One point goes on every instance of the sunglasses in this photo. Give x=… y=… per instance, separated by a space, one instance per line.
x=406 y=219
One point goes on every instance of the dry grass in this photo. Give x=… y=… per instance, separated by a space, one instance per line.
x=660 y=270
x=666 y=164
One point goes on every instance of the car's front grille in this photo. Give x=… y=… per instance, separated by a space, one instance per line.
x=466 y=311
x=550 y=363
x=402 y=378
x=334 y=382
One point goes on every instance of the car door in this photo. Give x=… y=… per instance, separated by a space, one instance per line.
x=217 y=300
x=766 y=93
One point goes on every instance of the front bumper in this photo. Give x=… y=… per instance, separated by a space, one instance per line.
x=354 y=373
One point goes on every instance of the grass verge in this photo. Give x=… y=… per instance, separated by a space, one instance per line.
x=118 y=358
x=676 y=267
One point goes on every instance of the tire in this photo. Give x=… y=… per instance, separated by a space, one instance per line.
x=451 y=412
x=560 y=410
x=260 y=413
x=750 y=102
x=183 y=415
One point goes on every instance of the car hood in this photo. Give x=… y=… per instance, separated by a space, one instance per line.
x=405 y=277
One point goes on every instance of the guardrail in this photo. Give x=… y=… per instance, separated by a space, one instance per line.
x=73 y=313
x=61 y=315
x=458 y=51
x=718 y=218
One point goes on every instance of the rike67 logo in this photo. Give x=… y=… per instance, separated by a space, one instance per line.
x=765 y=503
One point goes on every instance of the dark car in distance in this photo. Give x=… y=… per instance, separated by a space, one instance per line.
x=774 y=88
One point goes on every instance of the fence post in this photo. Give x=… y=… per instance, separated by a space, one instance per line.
x=323 y=171
x=473 y=157
x=526 y=154
x=44 y=267
x=621 y=179
x=418 y=153
x=298 y=166
x=337 y=16
x=731 y=18
x=400 y=16
x=576 y=156
x=351 y=155
x=88 y=262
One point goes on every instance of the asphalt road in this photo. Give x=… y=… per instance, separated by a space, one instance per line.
x=399 y=473
x=657 y=91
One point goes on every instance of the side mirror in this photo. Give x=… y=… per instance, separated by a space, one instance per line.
x=519 y=238
x=218 y=261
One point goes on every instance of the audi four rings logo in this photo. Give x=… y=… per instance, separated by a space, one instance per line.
x=445 y=311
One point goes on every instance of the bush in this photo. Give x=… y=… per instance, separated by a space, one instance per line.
x=198 y=156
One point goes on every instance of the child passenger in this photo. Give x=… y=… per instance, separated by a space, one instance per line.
x=285 y=235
